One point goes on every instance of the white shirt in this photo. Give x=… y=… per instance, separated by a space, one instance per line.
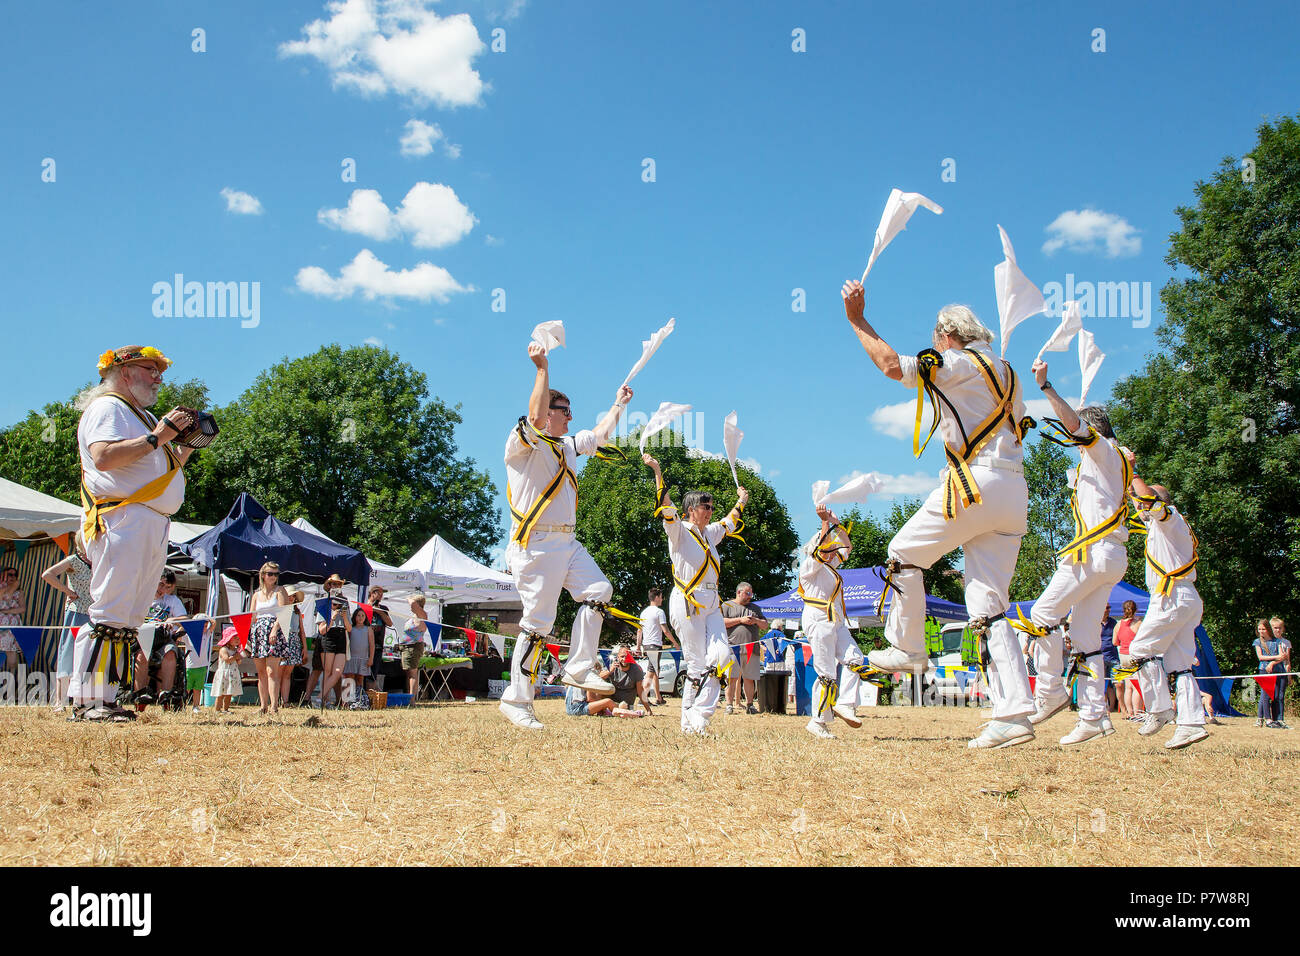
x=1169 y=541
x=107 y=419
x=819 y=581
x=172 y=604
x=963 y=384
x=1099 y=483
x=687 y=548
x=653 y=620
x=531 y=466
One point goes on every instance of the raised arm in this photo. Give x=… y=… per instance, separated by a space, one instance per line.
x=881 y=353
x=1140 y=488
x=605 y=427
x=539 y=403
x=1063 y=411
x=666 y=501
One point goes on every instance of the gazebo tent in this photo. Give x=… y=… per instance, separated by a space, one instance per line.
x=239 y=544
x=384 y=575
x=862 y=587
x=453 y=577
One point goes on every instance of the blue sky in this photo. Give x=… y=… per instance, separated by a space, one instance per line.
x=771 y=169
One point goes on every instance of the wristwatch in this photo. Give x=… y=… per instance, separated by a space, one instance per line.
x=1045 y=386
x=152 y=439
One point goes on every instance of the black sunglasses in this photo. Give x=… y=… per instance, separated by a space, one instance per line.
x=568 y=412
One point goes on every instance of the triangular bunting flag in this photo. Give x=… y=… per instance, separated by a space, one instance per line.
x=434 y=630
x=323 y=608
x=962 y=678
x=29 y=642
x=284 y=618
x=807 y=653
x=145 y=636
x=499 y=643
x=554 y=649
x=242 y=623
x=20 y=548
x=1032 y=681
x=472 y=636
x=62 y=542
x=1269 y=685
x=749 y=651
x=677 y=658
x=735 y=651
x=197 y=655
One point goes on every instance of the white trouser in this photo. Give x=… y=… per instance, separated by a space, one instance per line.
x=126 y=562
x=989 y=534
x=704 y=644
x=1085 y=588
x=553 y=561
x=832 y=645
x=1169 y=631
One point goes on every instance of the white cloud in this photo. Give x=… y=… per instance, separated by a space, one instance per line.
x=431 y=215
x=1090 y=230
x=419 y=138
x=372 y=279
x=452 y=150
x=241 y=203
x=775 y=472
x=376 y=342
x=492 y=240
x=401 y=46
x=898 y=421
x=503 y=11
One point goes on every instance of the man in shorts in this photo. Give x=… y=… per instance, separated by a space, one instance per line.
x=160 y=666
x=745 y=625
x=650 y=639
x=627 y=677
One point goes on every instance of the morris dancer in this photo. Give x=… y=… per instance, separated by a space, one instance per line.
x=543 y=555
x=1091 y=565
x=131 y=483
x=1165 y=645
x=825 y=625
x=693 y=606
x=980 y=506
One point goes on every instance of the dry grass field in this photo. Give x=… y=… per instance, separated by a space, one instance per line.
x=454 y=784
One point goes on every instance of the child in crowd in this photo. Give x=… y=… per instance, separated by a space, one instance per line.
x=226 y=682
x=361 y=649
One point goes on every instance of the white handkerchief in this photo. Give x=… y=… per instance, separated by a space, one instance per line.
x=1018 y=298
x=855 y=489
x=649 y=347
x=731 y=439
x=1090 y=359
x=819 y=490
x=898 y=209
x=1071 y=323
x=661 y=419
x=549 y=335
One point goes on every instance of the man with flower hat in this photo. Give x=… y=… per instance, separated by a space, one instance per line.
x=131 y=483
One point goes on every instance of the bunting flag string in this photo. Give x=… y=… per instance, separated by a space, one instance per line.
x=62 y=541
x=200 y=651
x=145 y=636
x=242 y=624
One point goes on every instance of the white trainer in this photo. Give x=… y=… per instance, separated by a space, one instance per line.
x=847 y=714
x=1003 y=733
x=893 y=659
x=1155 y=720
x=1046 y=711
x=587 y=679
x=819 y=730
x=1107 y=728
x=1083 y=731
x=1184 y=736
x=521 y=715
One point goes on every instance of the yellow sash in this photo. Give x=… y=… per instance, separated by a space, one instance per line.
x=524 y=523
x=688 y=587
x=1085 y=537
x=93 y=508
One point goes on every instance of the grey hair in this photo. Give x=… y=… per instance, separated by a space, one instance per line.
x=960 y=322
x=1098 y=418
x=108 y=384
x=694 y=499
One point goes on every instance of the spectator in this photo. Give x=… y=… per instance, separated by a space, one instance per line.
x=745 y=624
x=1109 y=657
x=650 y=638
x=412 y=643
x=266 y=642
x=361 y=649
x=1279 y=631
x=380 y=623
x=77 y=568
x=1130 y=698
x=588 y=703
x=12 y=604
x=1269 y=650
x=196 y=668
x=159 y=667
x=227 y=682
x=295 y=647
x=332 y=583
x=627 y=677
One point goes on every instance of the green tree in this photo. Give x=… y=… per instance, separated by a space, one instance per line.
x=350 y=439
x=617 y=524
x=40 y=451
x=1213 y=414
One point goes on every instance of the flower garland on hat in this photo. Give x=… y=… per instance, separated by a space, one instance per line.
x=130 y=354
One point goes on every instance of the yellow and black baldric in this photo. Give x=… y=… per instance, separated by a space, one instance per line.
x=688 y=587
x=960 y=482
x=1085 y=537
x=525 y=522
x=1167 y=578
x=822 y=554
x=94 y=509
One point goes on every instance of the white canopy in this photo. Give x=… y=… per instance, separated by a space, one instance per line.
x=26 y=513
x=453 y=577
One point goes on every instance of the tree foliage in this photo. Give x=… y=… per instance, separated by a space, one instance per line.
x=617 y=525
x=1213 y=415
x=350 y=439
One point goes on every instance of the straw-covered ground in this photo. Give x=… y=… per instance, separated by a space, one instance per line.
x=454 y=784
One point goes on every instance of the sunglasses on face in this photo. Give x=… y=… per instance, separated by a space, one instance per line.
x=270 y=574
x=565 y=409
